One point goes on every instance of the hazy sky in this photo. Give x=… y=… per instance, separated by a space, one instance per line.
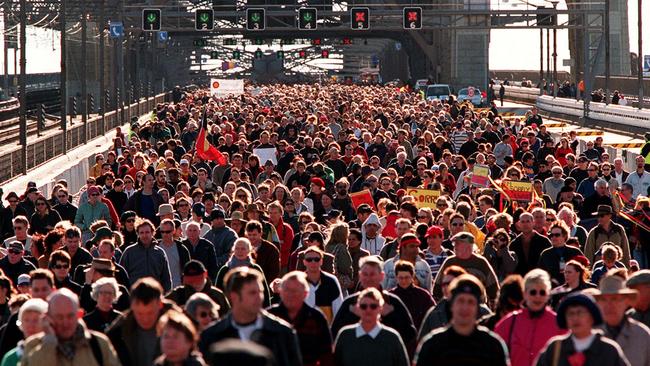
x=509 y=49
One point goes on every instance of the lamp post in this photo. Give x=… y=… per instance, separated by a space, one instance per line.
x=555 y=81
x=640 y=57
x=607 y=52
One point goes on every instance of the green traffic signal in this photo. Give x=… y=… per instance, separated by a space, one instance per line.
x=255 y=19
x=307 y=18
x=151 y=19
x=204 y=19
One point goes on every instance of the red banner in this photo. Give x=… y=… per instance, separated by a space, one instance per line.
x=359 y=198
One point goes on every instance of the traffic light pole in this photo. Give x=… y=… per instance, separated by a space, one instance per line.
x=64 y=92
x=84 y=91
x=23 y=84
x=102 y=86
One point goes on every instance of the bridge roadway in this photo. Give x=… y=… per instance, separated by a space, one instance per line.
x=74 y=165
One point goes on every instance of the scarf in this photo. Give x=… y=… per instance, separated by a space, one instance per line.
x=68 y=348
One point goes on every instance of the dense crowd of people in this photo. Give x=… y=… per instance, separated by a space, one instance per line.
x=332 y=225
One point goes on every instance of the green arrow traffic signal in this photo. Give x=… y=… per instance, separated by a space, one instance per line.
x=151 y=20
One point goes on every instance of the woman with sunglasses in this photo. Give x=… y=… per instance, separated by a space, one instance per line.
x=9 y=213
x=44 y=218
x=202 y=309
x=369 y=343
x=526 y=331
x=554 y=259
x=128 y=229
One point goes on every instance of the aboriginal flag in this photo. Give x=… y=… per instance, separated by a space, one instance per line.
x=204 y=149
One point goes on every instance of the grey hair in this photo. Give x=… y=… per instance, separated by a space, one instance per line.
x=201 y=299
x=65 y=293
x=537 y=276
x=105 y=281
x=299 y=276
x=600 y=183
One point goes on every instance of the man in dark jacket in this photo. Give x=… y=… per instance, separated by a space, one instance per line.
x=248 y=322
x=145 y=201
x=146 y=259
x=195 y=279
x=267 y=255
x=66 y=210
x=221 y=236
x=200 y=249
x=371 y=274
x=14 y=264
x=528 y=245
x=133 y=334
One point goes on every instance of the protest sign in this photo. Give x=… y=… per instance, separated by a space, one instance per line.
x=480 y=176
x=518 y=191
x=266 y=154
x=361 y=197
x=424 y=197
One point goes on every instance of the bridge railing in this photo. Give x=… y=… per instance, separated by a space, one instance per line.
x=44 y=148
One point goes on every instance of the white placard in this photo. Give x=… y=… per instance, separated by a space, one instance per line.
x=225 y=87
x=266 y=155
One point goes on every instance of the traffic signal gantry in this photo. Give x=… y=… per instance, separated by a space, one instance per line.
x=306 y=19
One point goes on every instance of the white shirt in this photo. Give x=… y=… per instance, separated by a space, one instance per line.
x=246 y=331
x=582 y=344
x=359 y=332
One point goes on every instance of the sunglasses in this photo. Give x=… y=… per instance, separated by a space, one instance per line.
x=14 y=251
x=312 y=259
x=41 y=204
x=63 y=196
x=535 y=292
x=13 y=201
x=130 y=220
x=166 y=231
x=61 y=266
x=369 y=306
x=94 y=195
x=457 y=224
x=555 y=235
x=203 y=314
x=550 y=219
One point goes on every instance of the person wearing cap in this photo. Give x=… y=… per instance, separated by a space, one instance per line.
x=462 y=342
x=435 y=254
x=28 y=202
x=145 y=201
x=195 y=280
x=401 y=226
x=29 y=317
x=198 y=215
x=473 y=263
x=127 y=229
x=606 y=231
x=91 y=211
x=15 y=264
x=583 y=344
x=22 y=285
x=613 y=299
x=98 y=269
x=201 y=249
x=579 y=173
x=409 y=250
x=371 y=274
x=640 y=311
x=165 y=211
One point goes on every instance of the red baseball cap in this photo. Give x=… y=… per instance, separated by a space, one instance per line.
x=434 y=231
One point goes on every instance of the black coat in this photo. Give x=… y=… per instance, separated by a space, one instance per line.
x=203 y=252
x=527 y=262
x=275 y=334
x=95 y=321
x=67 y=211
x=602 y=351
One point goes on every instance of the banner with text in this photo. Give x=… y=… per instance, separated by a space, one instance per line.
x=424 y=197
x=518 y=191
x=481 y=176
x=226 y=87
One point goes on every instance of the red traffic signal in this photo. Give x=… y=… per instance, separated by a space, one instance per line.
x=360 y=18
x=347 y=41
x=412 y=18
x=302 y=54
x=316 y=42
x=325 y=54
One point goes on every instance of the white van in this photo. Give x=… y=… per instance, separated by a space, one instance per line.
x=438 y=91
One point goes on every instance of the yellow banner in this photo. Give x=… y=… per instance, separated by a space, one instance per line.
x=518 y=191
x=424 y=197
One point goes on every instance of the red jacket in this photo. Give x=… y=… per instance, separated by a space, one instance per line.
x=529 y=335
x=285 y=233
